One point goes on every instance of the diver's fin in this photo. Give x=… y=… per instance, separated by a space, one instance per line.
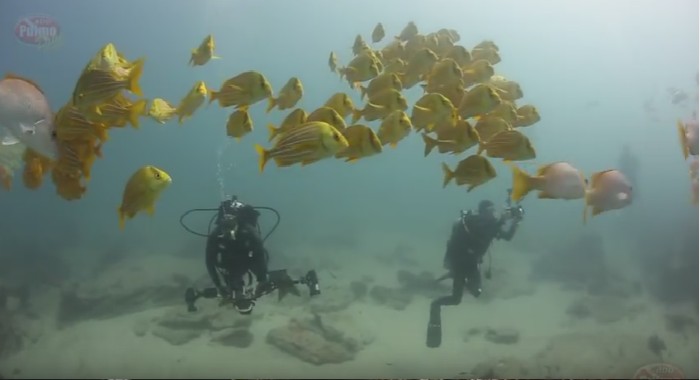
x=282 y=291
x=434 y=337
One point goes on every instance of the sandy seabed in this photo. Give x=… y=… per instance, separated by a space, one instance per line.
x=109 y=348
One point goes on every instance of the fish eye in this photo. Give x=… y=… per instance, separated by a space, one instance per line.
x=336 y=137
x=157 y=175
x=54 y=135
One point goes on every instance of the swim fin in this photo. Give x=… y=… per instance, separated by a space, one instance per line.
x=434 y=338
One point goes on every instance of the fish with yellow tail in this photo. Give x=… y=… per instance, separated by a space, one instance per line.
x=431 y=109
x=556 y=180
x=608 y=190
x=304 y=144
x=191 y=102
x=472 y=171
x=380 y=106
x=509 y=145
x=293 y=119
x=527 y=115
x=239 y=124
x=362 y=142
x=452 y=139
x=328 y=115
x=288 y=97
x=380 y=83
x=341 y=103
x=118 y=111
x=141 y=192
x=478 y=100
x=243 y=90
x=394 y=128
x=204 y=52
x=97 y=86
x=161 y=110
x=378 y=33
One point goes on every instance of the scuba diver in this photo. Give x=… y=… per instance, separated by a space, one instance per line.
x=234 y=253
x=469 y=241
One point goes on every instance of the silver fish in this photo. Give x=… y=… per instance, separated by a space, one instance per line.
x=26 y=117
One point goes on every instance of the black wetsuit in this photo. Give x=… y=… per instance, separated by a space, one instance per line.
x=465 y=251
x=231 y=259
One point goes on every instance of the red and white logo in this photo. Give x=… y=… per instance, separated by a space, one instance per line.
x=659 y=371
x=37 y=30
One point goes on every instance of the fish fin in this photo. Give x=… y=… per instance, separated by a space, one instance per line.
x=683 y=138
x=356 y=115
x=137 y=109
x=351 y=159
x=213 y=95
x=482 y=147
x=151 y=209
x=9 y=140
x=522 y=183
x=122 y=218
x=264 y=157
x=273 y=131
x=363 y=92
x=215 y=57
x=135 y=76
x=448 y=175
x=393 y=144
x=271 y=103
x=430 y=143
x=596 y=210
x=28 y=129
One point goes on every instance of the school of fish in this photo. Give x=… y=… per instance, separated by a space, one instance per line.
x=463 y=104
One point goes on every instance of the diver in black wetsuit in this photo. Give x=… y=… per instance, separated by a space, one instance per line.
x=471 y=237
x=235 y=248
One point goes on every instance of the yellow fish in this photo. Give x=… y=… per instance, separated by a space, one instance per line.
x=239 y=124
x=71 y=124
x=431 y=109
x=479 y=100
x=394 y=128
x=509 y=145
x=474 y=171
x=98 y=86
x=362 y=68
x=381 y=83
x=490 y=126
x=109 y=59
x=141 y=192
x=204 y=52
x=380 y=106
x=341 y=103
x=488 y=54
x=328 y=115
x=359 y=46
x=333 y=62
x=362 y=142
x=192 y=101
x=450 y=139
x=288 y=97
x=242 y=90
x=527 y=115
x=161 y=111
x=378 y=33
x=408 y=32
x=459 y=54
x=305 y=144
x=293 y=119
x=477 y=71
x=118 y=111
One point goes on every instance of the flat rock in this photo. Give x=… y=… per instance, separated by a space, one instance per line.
x=234 y=337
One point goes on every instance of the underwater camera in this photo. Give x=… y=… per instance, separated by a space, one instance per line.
x=279 y=279
x=515 y=212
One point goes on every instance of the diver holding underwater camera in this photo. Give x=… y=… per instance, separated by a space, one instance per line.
x=469 y=241
x=234 y=253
